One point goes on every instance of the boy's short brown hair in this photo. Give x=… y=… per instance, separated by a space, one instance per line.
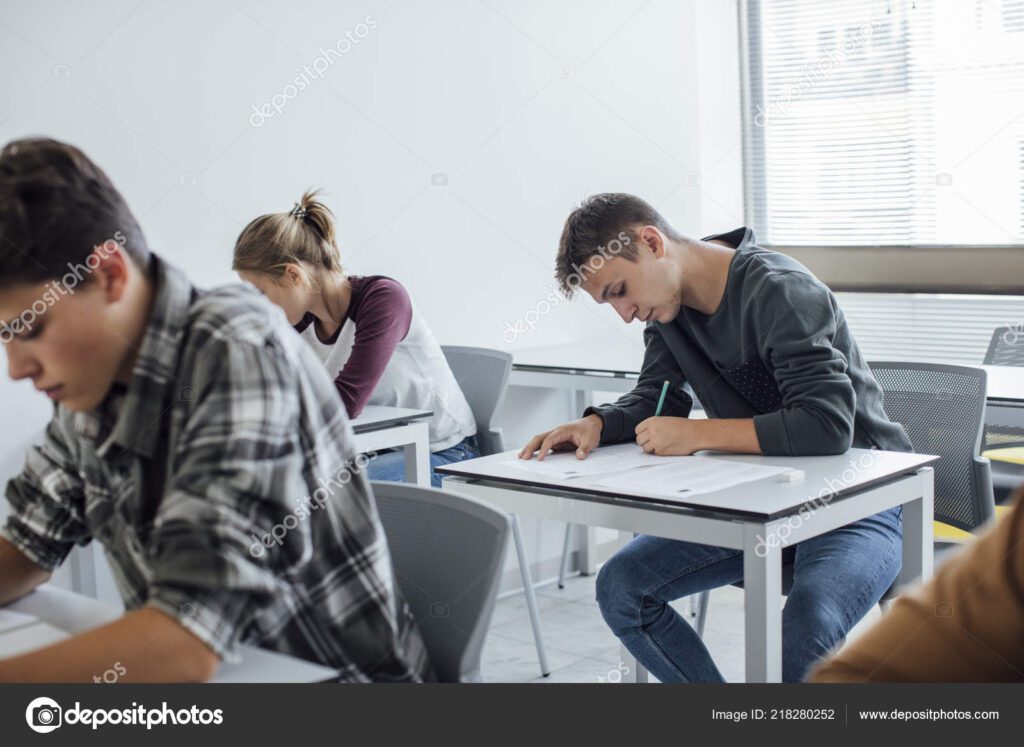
x=603 y=227
x=56 y=206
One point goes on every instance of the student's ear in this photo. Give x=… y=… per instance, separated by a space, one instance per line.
x=653 y=238
x=112 y=270
x=292 y=275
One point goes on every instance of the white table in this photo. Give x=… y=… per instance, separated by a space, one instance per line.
x=842 y=489
x=74 y=613
x=1005 y=405
x=580 y=368
x=379 y=427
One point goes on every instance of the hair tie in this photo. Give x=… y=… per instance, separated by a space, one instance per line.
x=298 y=211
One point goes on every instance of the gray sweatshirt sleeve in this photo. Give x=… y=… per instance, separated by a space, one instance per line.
x=622 y=417
x=796 y=319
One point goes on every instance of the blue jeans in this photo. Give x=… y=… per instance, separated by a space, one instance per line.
x=390 y=465
x=838 y=577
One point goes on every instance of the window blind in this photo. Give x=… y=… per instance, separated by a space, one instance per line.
x=874 y=123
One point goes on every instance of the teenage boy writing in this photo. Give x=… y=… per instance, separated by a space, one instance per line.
x=186 y=424
x=768 y=353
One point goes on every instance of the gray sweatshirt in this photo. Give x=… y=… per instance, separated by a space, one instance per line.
x=777 y=349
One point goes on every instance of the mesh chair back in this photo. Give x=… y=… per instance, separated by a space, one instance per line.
x=482 y=375
x=942 y=409
x=448 y=552
x=1006 y=348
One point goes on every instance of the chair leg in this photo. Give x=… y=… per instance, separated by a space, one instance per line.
x=563 y=570
x=703 y=602
x=531 y=597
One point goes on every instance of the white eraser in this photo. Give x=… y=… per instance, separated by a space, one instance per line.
x=794 y=475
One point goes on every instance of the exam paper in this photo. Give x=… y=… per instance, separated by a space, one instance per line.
x=686 y=476
x=11 y=620
x=605 y=460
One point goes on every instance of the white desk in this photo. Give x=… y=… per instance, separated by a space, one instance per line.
x=397 y=427
x=74 y=613
x=1005 y=405
x=580 y=368
x=842 y=489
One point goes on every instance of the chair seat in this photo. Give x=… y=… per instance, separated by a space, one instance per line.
x=946 y=533
x=1014 y=455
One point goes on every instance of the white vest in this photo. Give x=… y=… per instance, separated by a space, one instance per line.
x=417 y=377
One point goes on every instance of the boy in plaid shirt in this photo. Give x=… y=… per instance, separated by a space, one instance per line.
x=195 y=437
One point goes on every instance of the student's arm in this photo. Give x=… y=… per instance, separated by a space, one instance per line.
x=148 y=645
x=46 y=501
x=797 y=319
x=236 y=474
x=621 y=418
x=384 y=316
x=965 y=625
x=18 y=574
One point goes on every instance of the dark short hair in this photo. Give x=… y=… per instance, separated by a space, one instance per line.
x=604 y=226
x=56 y=206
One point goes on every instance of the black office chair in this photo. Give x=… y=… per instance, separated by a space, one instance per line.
x=942 y=408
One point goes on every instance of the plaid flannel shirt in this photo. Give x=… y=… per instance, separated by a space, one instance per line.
x=224 y=485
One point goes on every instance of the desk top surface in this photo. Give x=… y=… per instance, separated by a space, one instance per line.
x=1005 y=382
x=826 y=479
x=74 y=613
x=619 y=358
x=378 y=417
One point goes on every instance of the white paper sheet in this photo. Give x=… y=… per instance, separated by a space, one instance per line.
x=605 y=460
x=10 y=620
x=686 y=476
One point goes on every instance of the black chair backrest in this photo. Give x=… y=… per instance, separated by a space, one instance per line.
x=942 y=408
x=1006 y=348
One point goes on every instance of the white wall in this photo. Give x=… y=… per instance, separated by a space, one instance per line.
x=451 y=140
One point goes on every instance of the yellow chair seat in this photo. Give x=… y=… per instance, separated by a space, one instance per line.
x=947 y=533
x=1014 y=455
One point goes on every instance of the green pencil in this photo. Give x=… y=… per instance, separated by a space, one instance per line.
x=661 y=400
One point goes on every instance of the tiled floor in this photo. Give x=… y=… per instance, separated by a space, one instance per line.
x=580 y=646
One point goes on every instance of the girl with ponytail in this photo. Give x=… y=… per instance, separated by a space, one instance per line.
x=364 y=329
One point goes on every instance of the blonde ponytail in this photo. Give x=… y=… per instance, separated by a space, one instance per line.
x=303 y=235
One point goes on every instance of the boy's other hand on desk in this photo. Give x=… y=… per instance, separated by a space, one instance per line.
x=583 y=436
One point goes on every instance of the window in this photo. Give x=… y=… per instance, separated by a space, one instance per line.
x=886 y=123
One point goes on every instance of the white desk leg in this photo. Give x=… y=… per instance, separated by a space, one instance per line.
x=83 y=570
x=762 y=582
x=417 y=456
x=918 y=547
